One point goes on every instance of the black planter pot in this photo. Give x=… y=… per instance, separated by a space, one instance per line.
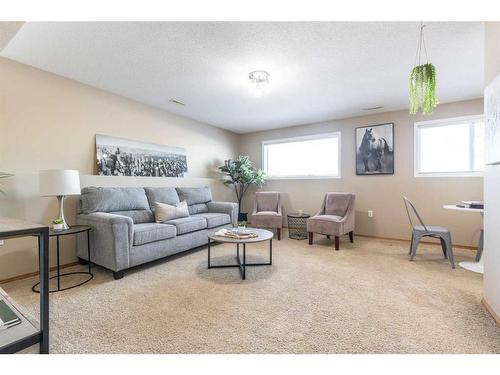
x=242 y=216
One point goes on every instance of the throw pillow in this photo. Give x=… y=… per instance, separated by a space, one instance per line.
x=165 y=212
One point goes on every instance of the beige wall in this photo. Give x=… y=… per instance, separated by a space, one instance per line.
x=50 y=122
x=47 y=121
x=492 y=258
x=382 y=194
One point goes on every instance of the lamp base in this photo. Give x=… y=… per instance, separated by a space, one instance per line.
x=65 y=225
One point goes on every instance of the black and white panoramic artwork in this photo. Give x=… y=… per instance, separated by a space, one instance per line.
x=375 y=149
x=123 y=157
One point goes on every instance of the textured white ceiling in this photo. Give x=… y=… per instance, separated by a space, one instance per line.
x=319 y=71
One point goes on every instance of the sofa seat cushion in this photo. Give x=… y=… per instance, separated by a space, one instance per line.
x=152 y=232
x=188 y=224
x=326 y=224
x=330 y=218
x=215 y=219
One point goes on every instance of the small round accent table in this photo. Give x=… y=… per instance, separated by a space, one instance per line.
x=263 y=235
x=297 y=226
x=66 y=232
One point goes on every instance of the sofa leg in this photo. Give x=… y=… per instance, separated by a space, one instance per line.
x=310 y=238
x=118 y=275
x=351 y=236
x=83 y=262
x=337 y=242
x=328 y=236
x=278 y=232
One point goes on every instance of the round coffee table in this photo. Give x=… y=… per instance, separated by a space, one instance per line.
x=263 y=235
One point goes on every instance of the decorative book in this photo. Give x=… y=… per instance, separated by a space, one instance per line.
x=8 y=318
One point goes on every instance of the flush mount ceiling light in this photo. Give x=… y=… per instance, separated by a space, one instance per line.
x=260 y=80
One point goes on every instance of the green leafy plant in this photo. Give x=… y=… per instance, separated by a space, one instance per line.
x=422 y=90
x=242 y=223
x=241 y=174
x=57 y=221
x=422 y=82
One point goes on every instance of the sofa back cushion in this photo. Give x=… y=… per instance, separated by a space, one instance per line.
x=137 y=216
x=167 y=195
x=196 y=198
x=126 y=201
x=109 y=199
x=337 y=203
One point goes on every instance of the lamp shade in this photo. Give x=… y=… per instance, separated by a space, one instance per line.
x=54 y=182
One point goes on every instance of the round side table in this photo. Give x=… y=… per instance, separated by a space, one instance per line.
x=297 y=226
x=66 y=232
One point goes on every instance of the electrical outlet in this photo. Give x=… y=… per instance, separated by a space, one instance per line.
x=370 y=213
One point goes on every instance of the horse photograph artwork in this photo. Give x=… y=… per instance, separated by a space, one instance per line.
x=375 y=149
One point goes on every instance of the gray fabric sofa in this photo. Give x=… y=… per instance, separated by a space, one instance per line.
x=124 y=232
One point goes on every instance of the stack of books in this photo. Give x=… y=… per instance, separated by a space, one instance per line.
x=8 y=318
x=472 y=204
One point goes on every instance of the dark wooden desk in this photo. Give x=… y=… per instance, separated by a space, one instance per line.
x=23 y=336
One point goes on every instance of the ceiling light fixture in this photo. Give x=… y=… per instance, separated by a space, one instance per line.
x=260 y=80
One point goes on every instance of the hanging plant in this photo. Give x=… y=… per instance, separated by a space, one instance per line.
x=422 y=85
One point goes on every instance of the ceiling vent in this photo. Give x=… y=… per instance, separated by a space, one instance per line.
x=175 y=101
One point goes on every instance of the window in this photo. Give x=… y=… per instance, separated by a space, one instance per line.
x=315 y=156
x=450 y=147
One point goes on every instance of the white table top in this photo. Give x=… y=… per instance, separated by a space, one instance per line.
x=454 y=207
x=264 y=235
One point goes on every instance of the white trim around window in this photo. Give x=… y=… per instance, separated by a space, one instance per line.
x=470 y=120
x=265 y=156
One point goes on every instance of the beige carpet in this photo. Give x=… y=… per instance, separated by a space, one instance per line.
x=365 y=298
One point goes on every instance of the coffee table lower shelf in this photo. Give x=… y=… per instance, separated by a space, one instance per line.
x=242 y=265
x=20 y=336
x=263 y=235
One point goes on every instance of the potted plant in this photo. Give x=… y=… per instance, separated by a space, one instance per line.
x=57 y=224
x=242 y=225
x=241 y=174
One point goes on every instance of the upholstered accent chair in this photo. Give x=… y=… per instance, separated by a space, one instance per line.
x=267 y=211
x=335 y=218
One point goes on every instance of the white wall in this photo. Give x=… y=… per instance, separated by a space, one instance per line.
x=492 y=250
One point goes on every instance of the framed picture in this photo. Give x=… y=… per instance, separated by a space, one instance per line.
x=375 y=149
x=124 y=157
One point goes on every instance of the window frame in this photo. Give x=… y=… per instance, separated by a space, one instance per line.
x=336 y=134
x=440 y=123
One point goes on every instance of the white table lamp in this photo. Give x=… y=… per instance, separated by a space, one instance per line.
x=59 y=183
